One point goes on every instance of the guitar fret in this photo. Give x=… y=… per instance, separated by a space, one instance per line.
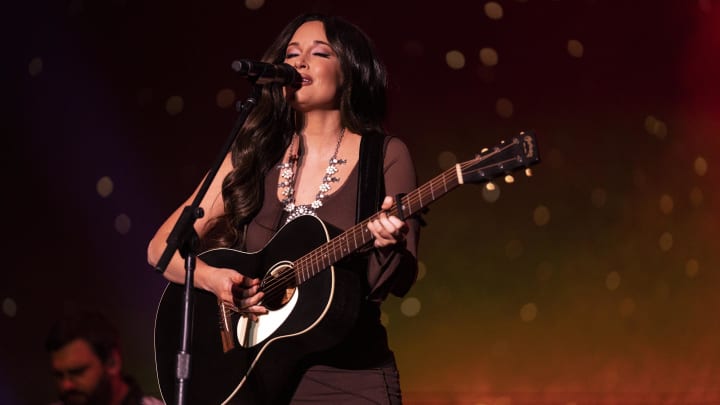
x=413 y=202
x=328 y=254
x=307 y=270
x=299 y=273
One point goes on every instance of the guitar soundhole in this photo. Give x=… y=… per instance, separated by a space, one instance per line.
x=279 y=287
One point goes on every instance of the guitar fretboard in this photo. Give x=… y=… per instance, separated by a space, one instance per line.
x=518 y=153
x=359 y=235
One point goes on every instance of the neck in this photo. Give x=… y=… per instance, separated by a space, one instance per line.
x=319 y=124
x=321 y=131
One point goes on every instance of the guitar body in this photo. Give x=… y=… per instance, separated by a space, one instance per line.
x=265 y=365
x=312 y=305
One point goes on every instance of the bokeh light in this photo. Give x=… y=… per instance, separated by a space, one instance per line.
x=35 y=67
x=488 y=57
x=493 y=10
x=455 y=59
x=410 y=307
x=174 y=105
x=104 y=186
x=504 y=107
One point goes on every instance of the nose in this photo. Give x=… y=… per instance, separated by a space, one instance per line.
x=300 y=63
x=66 y=383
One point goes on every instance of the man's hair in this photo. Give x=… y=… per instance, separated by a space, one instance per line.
x=92 y=326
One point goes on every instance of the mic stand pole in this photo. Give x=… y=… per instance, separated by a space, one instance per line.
x=183 y=238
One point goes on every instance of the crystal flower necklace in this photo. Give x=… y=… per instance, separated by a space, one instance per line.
x=287 y=182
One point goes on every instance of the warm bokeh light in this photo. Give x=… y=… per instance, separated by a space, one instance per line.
x=575 y=48
x=545 y=270
x=410 y=307
x=174 y=105
x=612 y=281
x=692 y=268
x=104 y=186
x=422 y=270
x=504 y=107
x=514 y=249
x=627 y=307
x=696 y=196
x=700 y=165
x=490 y=192
x=35 y=67
x=488 y=57
x=666 y=241
x=254 y=4
x=122 y=224
x=9 y=307
x=528 y=312
x=541 y=215
x=666 y=204
x=446 y=159
x=225 y=98
x=493 y=10
x=656 y=127
x=455 y=59
x=598 y=197
x=706 y=6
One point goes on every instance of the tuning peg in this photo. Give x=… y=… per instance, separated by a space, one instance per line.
x=528 y=172
x=490 y=186
x=509 y=179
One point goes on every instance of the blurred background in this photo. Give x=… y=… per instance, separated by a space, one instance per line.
x=593 y=281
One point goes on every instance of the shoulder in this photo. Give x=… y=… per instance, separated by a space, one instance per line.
x=393 y=142
x=396 y=149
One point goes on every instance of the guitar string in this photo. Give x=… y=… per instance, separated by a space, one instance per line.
x=306 y=263
x=317 y=256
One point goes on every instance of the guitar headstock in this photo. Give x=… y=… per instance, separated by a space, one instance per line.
x=517 y=153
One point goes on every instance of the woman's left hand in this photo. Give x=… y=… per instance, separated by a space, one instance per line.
x=387 y=229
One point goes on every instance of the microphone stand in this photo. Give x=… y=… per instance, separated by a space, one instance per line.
x=183 y=238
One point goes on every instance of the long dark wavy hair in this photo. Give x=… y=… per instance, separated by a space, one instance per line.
x=270 y=126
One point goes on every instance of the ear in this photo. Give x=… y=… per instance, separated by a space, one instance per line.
x=114 y=363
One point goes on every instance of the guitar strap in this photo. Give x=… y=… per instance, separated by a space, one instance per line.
x=371 y=180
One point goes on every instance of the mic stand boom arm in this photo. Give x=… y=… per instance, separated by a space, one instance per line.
x=183 y=238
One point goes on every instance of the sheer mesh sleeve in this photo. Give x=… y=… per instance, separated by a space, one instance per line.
x=395 y=271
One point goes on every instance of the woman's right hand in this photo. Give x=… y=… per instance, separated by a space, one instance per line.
x=237 y=290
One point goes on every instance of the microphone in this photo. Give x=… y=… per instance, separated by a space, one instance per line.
x=264 y=73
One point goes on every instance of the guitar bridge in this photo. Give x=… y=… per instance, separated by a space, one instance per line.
x=226 y=334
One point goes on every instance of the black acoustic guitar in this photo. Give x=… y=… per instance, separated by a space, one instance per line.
x=311 y=303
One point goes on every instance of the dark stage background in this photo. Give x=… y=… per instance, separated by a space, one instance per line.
x=593 y=281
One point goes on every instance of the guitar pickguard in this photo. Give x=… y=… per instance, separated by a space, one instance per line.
x=250 y=333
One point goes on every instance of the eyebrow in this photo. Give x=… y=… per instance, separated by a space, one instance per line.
x=70 y=371
x=315 y=42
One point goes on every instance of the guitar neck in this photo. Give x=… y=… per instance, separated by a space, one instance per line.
x=520 y=152
x=358 y=235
